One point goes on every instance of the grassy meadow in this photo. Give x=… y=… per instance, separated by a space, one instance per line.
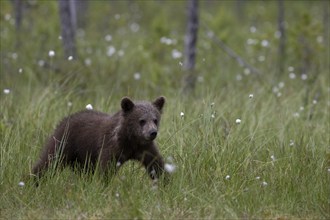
x=272 y=163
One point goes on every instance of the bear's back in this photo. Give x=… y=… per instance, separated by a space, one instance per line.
x=82 y=132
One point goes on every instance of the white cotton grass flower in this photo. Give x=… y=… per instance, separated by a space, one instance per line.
x=176 y=54
x=213 y=115
x=239 y=77
x=251 y=41
x=261 y=58
x=265 y=43
x=108 y=37
x=238 y=121
x=304 y=76
x=41 y=63
x=14 y=56
x=296 y=114
x=319 y=39
x=117 y=194
x=170 y=168
x=258 y=178
x=227 y=177
x=167 y=41
x=135 y=27
x=210 y=34
x=291 y=143
x=51 y=53
x=21 y=184
x=69 y=104
x=7 y=17
x=20 y=70
x=314 y=102
x=118 y=164
x=251 y=96
x=247 y=71
x=6 y=91
x=328 y=170
x=88 y=62
x=137 y=76
x=292 y=75
x=273 y=158
x=70 y=58
x=117 y=16
x=253 y=29
x=89 y=107
x=111 y=50
x=181 y=114
x=290 y=68
x=264 y=183
x=121 y=53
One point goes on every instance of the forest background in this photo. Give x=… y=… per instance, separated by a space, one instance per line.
x=249 y=138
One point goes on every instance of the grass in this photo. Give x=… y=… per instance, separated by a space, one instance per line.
x=274 y=164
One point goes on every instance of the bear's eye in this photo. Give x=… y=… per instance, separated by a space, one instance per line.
x=142 y=122
x=155 y=121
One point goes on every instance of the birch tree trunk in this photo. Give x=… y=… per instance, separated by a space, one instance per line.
x=326 y=6
x=68 y=20
x=190 y=47
x=18 y=5
x=18 y=11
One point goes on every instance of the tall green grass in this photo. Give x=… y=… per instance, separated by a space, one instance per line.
x=274 y=164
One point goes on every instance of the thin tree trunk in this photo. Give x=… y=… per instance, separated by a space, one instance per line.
x=67 y=10
x=18 y=4
x=190 y=46
x=73 y=13
x=18 y=10
x=326 y=6
x=281 y=29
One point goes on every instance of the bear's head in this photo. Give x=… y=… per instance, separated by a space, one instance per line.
x=141 y=119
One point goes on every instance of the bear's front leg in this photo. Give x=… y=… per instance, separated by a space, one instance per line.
x=109 y=164
x=153 y=162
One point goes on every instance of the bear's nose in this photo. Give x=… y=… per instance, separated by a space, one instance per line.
x=153 y=135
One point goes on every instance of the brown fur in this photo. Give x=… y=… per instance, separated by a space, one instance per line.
x=88 y=137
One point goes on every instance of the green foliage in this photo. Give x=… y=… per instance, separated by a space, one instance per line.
x=274 y=164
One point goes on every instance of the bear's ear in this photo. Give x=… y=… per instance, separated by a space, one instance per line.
x=159 y=103
x=127 y=104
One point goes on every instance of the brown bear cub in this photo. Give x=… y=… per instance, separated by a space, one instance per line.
x=89 y=137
